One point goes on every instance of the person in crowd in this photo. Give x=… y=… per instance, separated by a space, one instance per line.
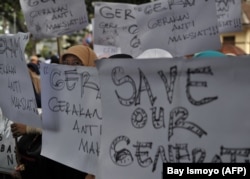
x=209 y=53
x=120 y=55
x=33 y=68
x=154 y=53
x=41 y=58
x=54 y=59
x=34 y=59
x=79 y=55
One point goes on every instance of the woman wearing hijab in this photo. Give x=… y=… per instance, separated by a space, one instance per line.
x=79 y=55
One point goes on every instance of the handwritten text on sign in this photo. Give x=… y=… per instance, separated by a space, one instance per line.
x=54 y=18
x=172 y=111
x=71 y=115
x=133 y=28
x=229 y=15
x=116 y=26
x=17 y=94
x=177 y=25
x=7 y=146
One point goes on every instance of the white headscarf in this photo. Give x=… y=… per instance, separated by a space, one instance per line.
x=155 y=53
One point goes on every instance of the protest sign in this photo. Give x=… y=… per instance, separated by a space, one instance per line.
x=229 y=15
x=7 y=146
x=104 y=51
x=115 y=25
x=71 y=115
x=46 y=19
x=159 y=111
x=17 y=100
x=167 y=25
x=181 y=28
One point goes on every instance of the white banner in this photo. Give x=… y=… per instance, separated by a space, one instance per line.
x=46 y=19
x=71 y=115
x=181 y=28
x=229 y=15
x=17 y=100
x=115 y=25
x=7 y=146
x=159 y=111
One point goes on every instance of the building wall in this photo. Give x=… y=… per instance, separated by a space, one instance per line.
x=248 y=41
x=242 y=39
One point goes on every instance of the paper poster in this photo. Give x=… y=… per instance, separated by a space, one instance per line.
x=71 y=116
x=47 y=19
x=7 y=146
x=229 y=15
x=115 y=25
x=159 y=111
x=17 y=100
x=180 y=27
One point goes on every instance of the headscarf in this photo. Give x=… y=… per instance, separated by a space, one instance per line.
x=120 y=55
x=209 y=53
x=155 y=53
x=84 y=53
x=34 y=59
x=33 y=67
